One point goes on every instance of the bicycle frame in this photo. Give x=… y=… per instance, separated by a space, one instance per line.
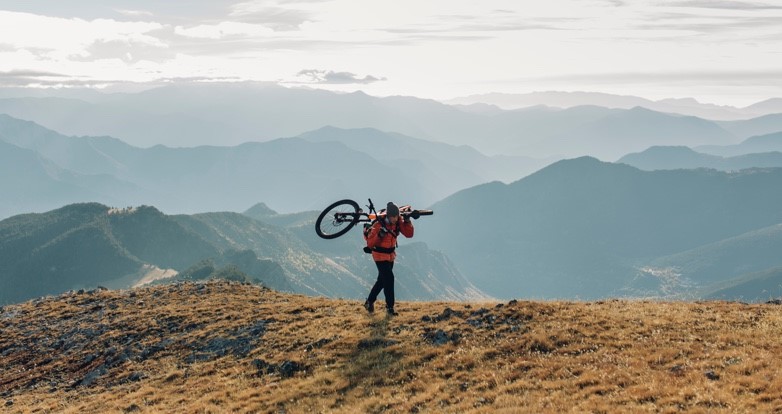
x=334 y=221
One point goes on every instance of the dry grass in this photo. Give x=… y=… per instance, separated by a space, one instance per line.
x=608 y=356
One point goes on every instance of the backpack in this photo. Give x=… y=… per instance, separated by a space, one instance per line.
x=368 y=228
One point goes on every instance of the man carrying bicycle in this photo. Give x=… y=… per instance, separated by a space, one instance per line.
x=381 y=240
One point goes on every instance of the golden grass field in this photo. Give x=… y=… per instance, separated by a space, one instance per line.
x=229 y=347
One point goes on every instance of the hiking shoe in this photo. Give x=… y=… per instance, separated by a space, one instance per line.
x=390 y=312
x=369 y=306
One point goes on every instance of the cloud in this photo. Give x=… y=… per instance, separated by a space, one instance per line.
x=224 y=30
x=127 y=50
x=711 y=24
x=269 y=14
x=37 y=78
x=59 y=39
x=724 y=4
x=134 y=13
x=29 y=73
x=315 y=76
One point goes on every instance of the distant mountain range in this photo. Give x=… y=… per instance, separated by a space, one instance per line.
x=86 y=245
x=683 y=106
x=752 y=145
x=761 y=151
x=187 y=115
x=45 y=169
x=699 y=222
x=585 y=229
x=671 y=158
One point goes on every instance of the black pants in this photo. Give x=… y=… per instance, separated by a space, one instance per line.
x=385 y=282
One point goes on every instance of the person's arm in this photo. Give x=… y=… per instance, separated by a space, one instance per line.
x=406 y=228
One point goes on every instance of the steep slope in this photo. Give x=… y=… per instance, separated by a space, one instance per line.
x=421 y=272
x=306 y=270
x=229 y=347
x=69 y=248
x=753 y=287
x=729 y=258
x=671 y=158
x=85 y=245
x=578 y=227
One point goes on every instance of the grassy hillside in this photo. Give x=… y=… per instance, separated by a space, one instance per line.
x=229 y=347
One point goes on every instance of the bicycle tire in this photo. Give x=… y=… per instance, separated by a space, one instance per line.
x=328 y=227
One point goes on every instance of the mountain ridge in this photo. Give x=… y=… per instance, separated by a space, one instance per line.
x=228 y=114
x=90 y=244
x=578 y=228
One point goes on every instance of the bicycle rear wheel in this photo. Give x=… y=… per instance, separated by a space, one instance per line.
x=337 y=219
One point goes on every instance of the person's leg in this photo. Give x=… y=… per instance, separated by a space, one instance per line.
x=376 y=288
x=387 y=269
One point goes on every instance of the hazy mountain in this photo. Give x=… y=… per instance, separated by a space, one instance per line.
x=757 y=144
x=31 y=182
x=292 y=174
x=262 y=212
x=553 y=99
x=634 y=130
x=229 y=114
x=86 y=155
x=85 y=245
x=580 y=228
x=682 y=106
x=763 y=125
x=448 y=168
x=671 y=158
x=754 y=287
x=769 y=106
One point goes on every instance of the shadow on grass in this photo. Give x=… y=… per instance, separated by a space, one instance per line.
x=374 y=362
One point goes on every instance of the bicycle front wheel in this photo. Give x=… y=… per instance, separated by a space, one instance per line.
x=337 y=219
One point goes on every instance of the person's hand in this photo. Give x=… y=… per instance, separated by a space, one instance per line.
x=415 y=214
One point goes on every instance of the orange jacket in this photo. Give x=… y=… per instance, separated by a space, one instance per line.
x=405 y=227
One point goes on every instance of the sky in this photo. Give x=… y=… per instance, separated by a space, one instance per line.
x=725 y=52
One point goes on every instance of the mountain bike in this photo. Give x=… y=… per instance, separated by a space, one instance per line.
x=338 y=218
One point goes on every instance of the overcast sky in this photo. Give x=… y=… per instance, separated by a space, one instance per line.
x=725 y=52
